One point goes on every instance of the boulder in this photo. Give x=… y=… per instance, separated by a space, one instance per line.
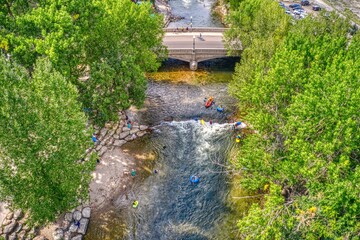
x=13 y=236
x=125 y=129
x=169 y=119
x=10 y=228
x=77 y=237
x=143 y=127
x=67 y=236
x=73 y=228
x=65 y=224
x=86 y=212
x=69 y=217
x=140 y=134
x=10 y=215
x=119 y=143
x=6 y=222
x=124 y=134
x=103 y=132
x=77 y=215
x=116 y=136
x=134 y=130
x=39 y=238
x=58 y=234
x=83 y=225
x=130 y=137
x=98 y=147
x=103 y=150
x=18 y=214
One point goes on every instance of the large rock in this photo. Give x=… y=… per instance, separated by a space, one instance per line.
x=143 y=127
x=134 y=130
x=103 y=132
x=18 y=214
x=77 y=237
x=69 y=217
x=65 y=224
x=10 y=215
x=125 y=129
x=86 y=212
x=77 y=215
x=119 y=143
x=6 y=222
x=124 y=134
x=73 y=228
x=13 y=237
x=83 y=225
x=10 y=228
x=103 y=150
x=140 y=134
x=67 y=236
x=130 y=137
x=58 y=234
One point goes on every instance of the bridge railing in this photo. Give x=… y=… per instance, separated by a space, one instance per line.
x=195 y=29
x=197 y=50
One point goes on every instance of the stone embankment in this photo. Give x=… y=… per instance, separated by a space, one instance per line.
x=117 y=134
x=73 y=225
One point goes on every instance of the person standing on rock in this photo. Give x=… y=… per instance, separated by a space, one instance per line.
x=129 y=124
x=133 y=172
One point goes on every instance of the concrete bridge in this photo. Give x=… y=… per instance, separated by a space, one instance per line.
x=195 y=45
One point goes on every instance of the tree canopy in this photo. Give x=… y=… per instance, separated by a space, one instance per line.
x=113 y=42
x=301 y=98
x=43 y=136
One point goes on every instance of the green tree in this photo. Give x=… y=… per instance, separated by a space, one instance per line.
x=43 y=136
x=124 y=45
x=83 y=37
x=301 y=98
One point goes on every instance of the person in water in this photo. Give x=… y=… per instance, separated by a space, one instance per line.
x=135 y=203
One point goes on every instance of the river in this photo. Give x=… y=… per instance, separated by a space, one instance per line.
x=170 y=206
x=195 y=12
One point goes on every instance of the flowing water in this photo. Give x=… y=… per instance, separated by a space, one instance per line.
x=194 y=12
x=170 y=206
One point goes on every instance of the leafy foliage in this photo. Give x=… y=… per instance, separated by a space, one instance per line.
x=119 y=54
x=43 y=136
x=80 y=38
x=301 y=95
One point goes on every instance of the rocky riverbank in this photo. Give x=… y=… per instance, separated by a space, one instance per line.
x=110 y=177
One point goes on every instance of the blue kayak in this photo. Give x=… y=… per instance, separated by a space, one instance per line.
x=194 y=179
x=220 y=109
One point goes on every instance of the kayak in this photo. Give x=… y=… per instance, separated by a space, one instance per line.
x=202 y=122
x=194 y=179
x=220 y=109
x=209 y=102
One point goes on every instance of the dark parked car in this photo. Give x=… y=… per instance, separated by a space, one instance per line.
x=298 y=8
x=294 y=5
x=305 y=3
x=316 y=8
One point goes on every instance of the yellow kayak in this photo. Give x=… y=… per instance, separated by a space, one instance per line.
x=202 y=122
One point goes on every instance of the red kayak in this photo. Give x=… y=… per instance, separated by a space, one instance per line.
x=209 y=102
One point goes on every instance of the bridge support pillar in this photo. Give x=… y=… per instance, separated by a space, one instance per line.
x=193 y=65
